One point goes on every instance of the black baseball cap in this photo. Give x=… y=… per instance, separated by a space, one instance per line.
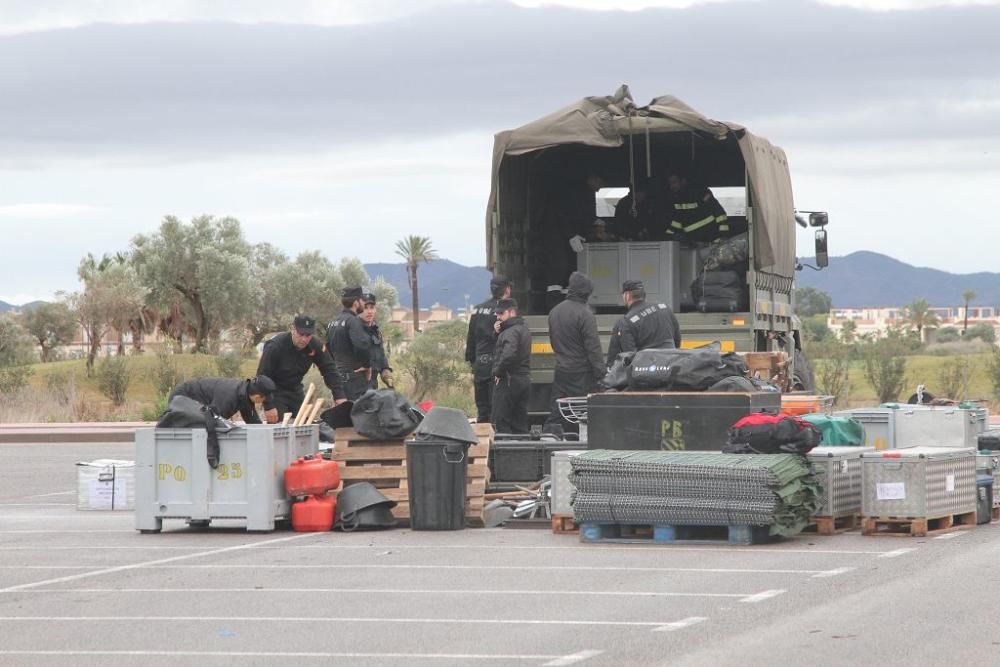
x=305 y=325
x=500 y=282
x=630 y=285
x=505 y=304
x=262 y=385
x=352 y=292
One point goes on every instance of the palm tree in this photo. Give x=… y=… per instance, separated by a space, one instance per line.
x=967 y=296
x=415 y=249
x=920 y=316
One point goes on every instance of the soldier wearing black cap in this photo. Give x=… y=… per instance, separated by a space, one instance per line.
x=644 y=326
x=286 y=360
x=380 y=361
x=350 y=344
x=511 y=370
x=227 y=396
x=480 y=343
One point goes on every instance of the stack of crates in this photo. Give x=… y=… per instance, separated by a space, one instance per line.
x=905 y=426
x=174 y=481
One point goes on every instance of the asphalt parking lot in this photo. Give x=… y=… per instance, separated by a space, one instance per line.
x=84 y=588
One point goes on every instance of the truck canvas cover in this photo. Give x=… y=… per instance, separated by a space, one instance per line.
x=606 y=122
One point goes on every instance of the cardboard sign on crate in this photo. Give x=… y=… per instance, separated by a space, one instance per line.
x=383 y=463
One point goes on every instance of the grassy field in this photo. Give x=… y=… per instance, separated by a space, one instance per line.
x=926 y=370
x=61 y=391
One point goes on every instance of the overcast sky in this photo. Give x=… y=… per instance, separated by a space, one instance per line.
x=344 y=126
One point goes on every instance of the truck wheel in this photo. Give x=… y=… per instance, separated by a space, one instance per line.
x=802 y=379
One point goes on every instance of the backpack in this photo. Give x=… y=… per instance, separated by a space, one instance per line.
x=383 y=414
x=184 y=412
x=763 y=433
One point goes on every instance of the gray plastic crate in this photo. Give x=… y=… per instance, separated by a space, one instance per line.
x=562 y=488
x=879 y=423
x=918 y=482
x=174 y=481
x=939 y=426
x=838 y=471
x=990 y=463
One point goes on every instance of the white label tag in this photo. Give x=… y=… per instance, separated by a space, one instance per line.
x=949 y=483
x=891 y=491
x=104 y=496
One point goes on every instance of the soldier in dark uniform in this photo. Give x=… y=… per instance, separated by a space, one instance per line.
x=380 y=361
x=511 y=370
x=286 y=360
x=351 y=345
x=644 y=326
x=227 y=396
x=692 y=211
x=479 y=345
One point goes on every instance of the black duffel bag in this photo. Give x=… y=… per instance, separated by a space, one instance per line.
x=384 y=414
x=617 y=376
x=673 y=369
x=184 y=412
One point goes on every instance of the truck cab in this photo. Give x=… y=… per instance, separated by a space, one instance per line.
x=556 y=191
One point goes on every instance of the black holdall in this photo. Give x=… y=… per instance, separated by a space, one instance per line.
x=617 y=376
x=671 y=369
x=384 y=414
x=184 y=412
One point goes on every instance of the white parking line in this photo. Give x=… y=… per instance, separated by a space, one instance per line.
x=47 y=495
x=832 y=573
x=37 y=504
x=134 y=566
x=681 y=624
x=764 y=595
x=895 y=553
x=296 y=654
x=491 y=568
x=62 y=532
x=325 y=619
x=745 y=597
x=947 y=536
x=572 y=658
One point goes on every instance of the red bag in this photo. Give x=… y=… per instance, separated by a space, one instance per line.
x=763 y=433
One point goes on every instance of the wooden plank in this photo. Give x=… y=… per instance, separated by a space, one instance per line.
x=372 y=472
x=369 y=453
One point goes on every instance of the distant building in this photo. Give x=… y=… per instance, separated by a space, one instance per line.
x=878 y=320
x=403 y=318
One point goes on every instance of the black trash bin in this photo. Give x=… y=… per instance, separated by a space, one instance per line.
x=436 y=471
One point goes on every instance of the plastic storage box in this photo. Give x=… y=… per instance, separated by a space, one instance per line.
x=105 y=484
x=562 y=488
x=936 y=426
x=805 y=404
x=174 y=480
x=918 y=482
x=838 y=471
x=523 y=460
x=879 y=423
x=989 y=463
x=670 y=421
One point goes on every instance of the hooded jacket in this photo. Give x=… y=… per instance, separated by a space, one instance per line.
x=573 y=331
x=226 y=396
x=513 y=351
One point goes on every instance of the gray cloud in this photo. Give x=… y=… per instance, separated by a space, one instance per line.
x=221 y=88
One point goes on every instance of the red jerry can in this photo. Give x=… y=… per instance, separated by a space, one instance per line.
x=312 y=515
x=311 y=476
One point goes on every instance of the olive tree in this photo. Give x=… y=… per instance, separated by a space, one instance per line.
x=15 y=354
x=206 y=263
x=52 y=325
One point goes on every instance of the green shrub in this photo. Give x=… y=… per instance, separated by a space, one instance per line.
x=946 y=335
x=151 y=413
x=14 y=378
x=982 y=331
x=62 y=386
x=228 y=364
x=166 y=375
x=885 y=366
x=113 y=378
x=953 y=377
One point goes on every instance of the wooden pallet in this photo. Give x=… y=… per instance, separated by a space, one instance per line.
x=564 y=524
x=832 y=525
x=383 y=463
x=617 y=533
x=916 y=526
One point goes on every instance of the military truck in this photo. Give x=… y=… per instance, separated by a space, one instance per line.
x=551 y=179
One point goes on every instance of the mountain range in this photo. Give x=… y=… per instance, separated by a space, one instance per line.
x=869 y=279
x=860 y=279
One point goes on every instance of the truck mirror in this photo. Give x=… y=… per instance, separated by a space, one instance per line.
x=822 y=258
x=818 y=219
